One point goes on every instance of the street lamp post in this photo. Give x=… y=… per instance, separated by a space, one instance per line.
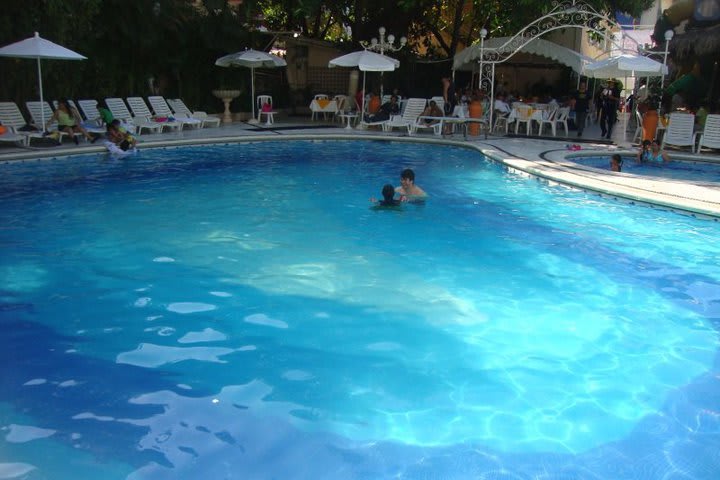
x=381 y=46
x=668 y=36
x=483 y=34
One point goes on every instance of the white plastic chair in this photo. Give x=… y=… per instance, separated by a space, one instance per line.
x=92 y=125
x=41 y=110
x=12 y=118
x=408 y=119
x=342 y=105
x=710 y=136
x=140 y=110
x=561 y=118
x=161 y=108
x=120 y=111
x=269 y=115
x=639 y=130
x=550 y=121
x=180 y=108
x=680 y=131
x=522 y=115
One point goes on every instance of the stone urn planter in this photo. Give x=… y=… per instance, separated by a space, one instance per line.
x=226 y=96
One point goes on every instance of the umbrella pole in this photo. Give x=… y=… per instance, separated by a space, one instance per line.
x=362 y=111
x=42 y=102
x=252 y=93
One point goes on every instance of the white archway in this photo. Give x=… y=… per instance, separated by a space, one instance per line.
x=564 y=14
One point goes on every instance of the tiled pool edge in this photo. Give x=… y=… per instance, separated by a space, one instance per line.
x=704 y=204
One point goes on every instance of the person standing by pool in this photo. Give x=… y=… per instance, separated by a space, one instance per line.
x=651 y=153
x=409 y=192
x=582 y=104
x=610 y=99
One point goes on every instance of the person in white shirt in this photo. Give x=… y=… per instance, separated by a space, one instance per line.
x=501 y=105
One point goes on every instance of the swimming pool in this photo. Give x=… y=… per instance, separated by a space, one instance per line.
x=675 y=169
x=238 y=311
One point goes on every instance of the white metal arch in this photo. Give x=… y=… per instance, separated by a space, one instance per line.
x=564 y=14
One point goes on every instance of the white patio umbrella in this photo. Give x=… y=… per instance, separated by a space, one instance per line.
x=251 y=59
x=625 y=65
x=367 y=62
x=39 y=48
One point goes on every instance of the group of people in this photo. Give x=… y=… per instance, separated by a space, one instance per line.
x=406 y=192
x=69 y=121
x=649 y=153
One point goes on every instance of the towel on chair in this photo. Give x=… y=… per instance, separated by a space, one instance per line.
x=323 y=102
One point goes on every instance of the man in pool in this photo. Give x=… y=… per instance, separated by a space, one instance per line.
x=616 y=163
x=408 y=191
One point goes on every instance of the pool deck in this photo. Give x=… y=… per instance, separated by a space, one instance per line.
x=542 y=158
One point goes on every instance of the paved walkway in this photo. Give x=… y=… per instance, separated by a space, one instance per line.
x=540 y=157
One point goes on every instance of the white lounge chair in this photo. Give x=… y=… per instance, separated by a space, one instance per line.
x=91 y=126
x=710 y=137
x=90 y=110
x=12 y=119
x=180 y=108
x=680 y=131
x=140 y=110
x=40 y=111
x=162 y=109
x=420 y=124
x=120 y=111
x=413 y=109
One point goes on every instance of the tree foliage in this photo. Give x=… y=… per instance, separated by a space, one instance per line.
x=177 y=41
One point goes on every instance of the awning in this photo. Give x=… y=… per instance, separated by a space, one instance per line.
x=468 y=58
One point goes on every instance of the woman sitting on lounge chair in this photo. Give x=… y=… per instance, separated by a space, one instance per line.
x=68 y=120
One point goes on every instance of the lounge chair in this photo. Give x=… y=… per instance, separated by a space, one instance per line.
x=40 y=111
x=180 y=108
x=90 y=125
x=413 y=109
x=680 y=131
x=12 y=119
x=710 y=136
x=120 y=111
x=420 y=124
x=161 y=108
x=141 y=111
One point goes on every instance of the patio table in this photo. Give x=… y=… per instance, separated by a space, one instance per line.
x=324 y=107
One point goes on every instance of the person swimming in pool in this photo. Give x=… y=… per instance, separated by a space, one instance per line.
x=389 y=200
x=651 y=153
x=408 y=191
x=616 y=163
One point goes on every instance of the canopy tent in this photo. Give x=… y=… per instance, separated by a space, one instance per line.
x=38 y=48
x=366 y=61
x=469 y=58
x=625 y=65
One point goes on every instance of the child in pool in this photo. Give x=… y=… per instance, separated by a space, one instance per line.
x=388 y=193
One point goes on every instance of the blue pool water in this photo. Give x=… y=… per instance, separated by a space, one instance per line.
x=239 y=311
x=675 y=169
